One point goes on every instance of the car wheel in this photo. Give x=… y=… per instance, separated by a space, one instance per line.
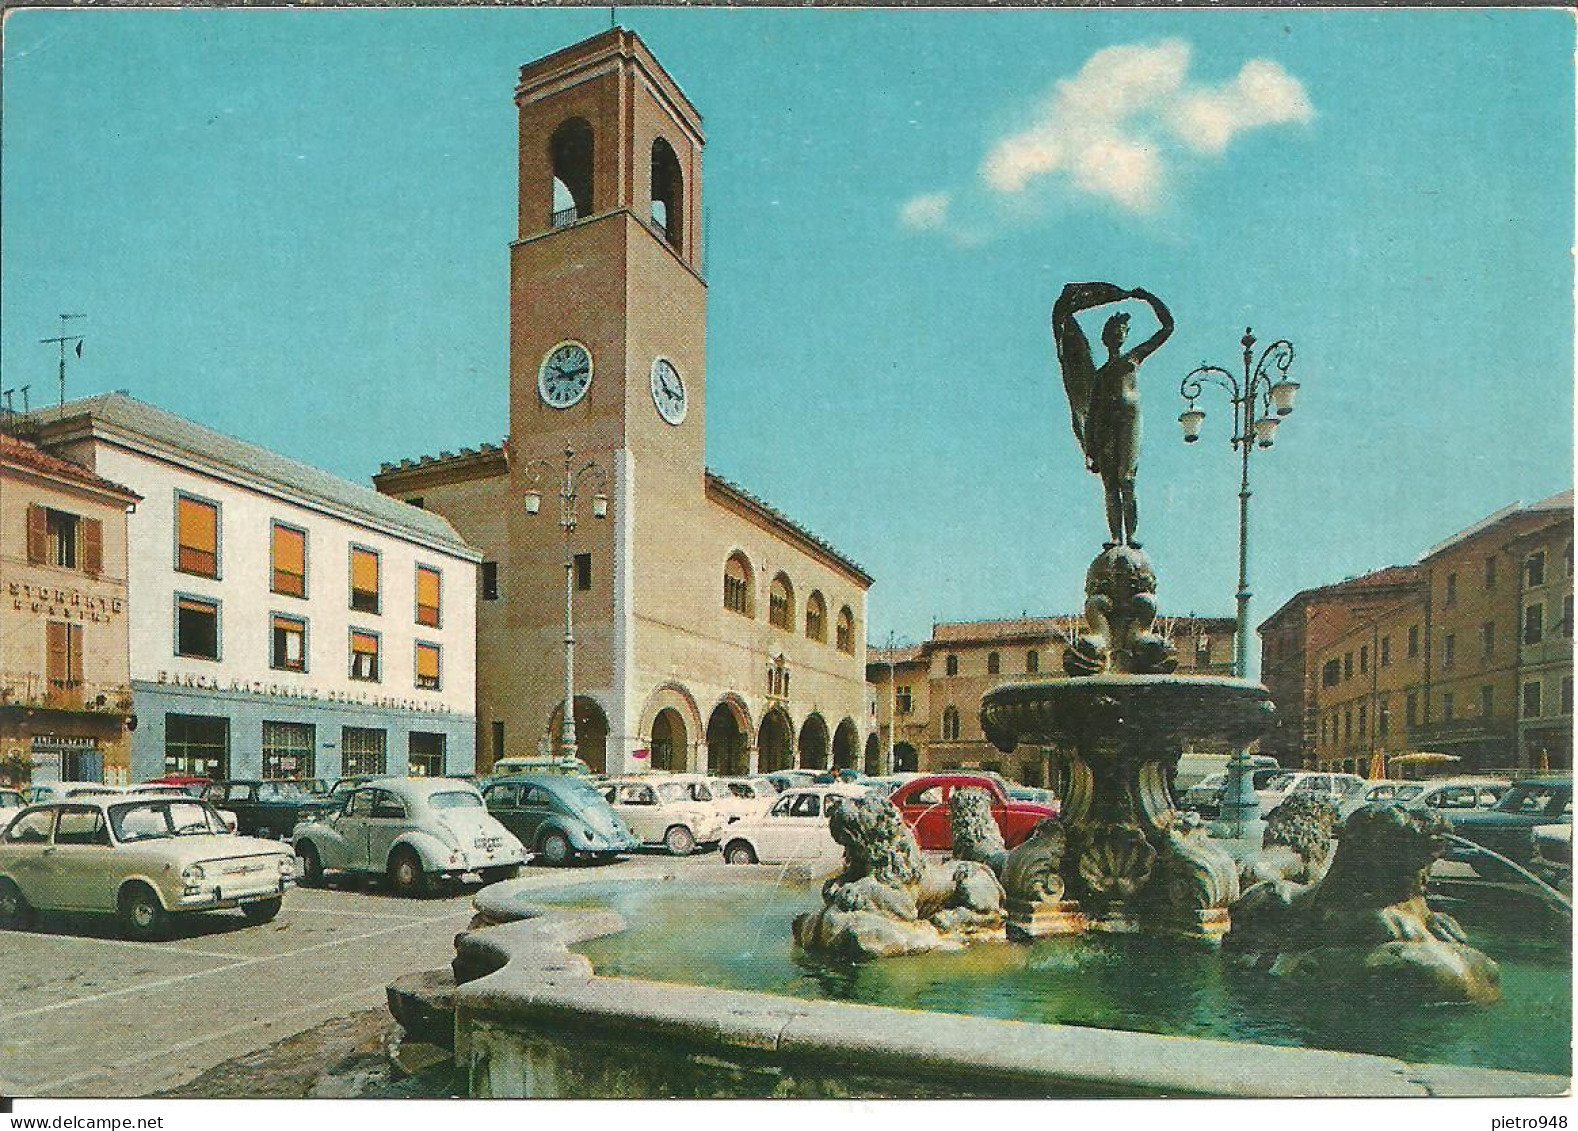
x=739 y=852
x=311 y=865
x=142 y=915
x=501 y=873
x=15 y=910
x=555 y=847
x=263 y=910
x=679 y=841
x=405 y=873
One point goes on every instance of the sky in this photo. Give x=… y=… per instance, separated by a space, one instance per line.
x=293 y=226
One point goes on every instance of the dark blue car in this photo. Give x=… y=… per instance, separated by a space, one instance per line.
x=558 y=816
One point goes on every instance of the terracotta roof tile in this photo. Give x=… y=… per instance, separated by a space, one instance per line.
x=19 y=453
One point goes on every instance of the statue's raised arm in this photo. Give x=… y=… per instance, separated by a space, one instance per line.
x=1164 y=318
x=1074 y=354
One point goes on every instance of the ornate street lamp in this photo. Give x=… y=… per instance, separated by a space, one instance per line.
x=1260 y=399
x=567 y=521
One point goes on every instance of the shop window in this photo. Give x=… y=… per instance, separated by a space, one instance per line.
x=1032 y=661
x=197 y=536
x=994 y=663
x=198 y=745
x=1534 y=569
x=288 y=749
x=288 y=643
x=197 y=628
x=490 y=581
x=426 y=755
x=583 y=573
x=364 y=579
x=1531 y=699
x=780 y=604
x=737 y=585
x=816 y=618
x=427 y=665
x=1533 y=623
x=364 y=656
x=428 y=609
x=846 y=631
x=290 y=560
x=363 y=750
x=62 y=655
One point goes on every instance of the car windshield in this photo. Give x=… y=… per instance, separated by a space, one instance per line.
x=1529 y=798
x=151 y=820
x=455 y=799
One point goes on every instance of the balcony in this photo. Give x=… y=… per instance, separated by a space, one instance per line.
x=36 y=692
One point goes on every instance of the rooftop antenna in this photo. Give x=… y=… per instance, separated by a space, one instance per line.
x=612 y=19
x=23 y=391
x=61 y=341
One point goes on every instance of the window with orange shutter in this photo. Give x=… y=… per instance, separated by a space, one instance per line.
x=364 y=579
x=427 y=666
x=197 y=537
x=364 y=656
x=290 y=561
x=427 y=606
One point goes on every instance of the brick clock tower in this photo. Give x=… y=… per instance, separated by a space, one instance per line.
x=607 y=341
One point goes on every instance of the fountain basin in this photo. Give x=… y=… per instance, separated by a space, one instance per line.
x=543 y=1022
x=1153 y=709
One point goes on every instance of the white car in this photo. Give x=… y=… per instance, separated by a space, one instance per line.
x=793 y=829
x=664 y=810
x=12 y=802
x=413 y=830
x=143 y=859
x=1444 y=793
x=60 y=790
x=739 y=798
x=1335 y=788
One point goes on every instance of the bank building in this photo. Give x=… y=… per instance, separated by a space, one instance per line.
x=711 y=631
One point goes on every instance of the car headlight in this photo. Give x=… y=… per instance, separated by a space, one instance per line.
x=192 y=875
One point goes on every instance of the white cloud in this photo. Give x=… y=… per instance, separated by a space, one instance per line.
x=1114 y=129
x=928 y=211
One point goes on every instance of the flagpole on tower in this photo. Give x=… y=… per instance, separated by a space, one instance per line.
x=61 y=341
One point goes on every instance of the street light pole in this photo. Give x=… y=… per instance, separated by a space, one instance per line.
x=1260 y=400
x=568 y=494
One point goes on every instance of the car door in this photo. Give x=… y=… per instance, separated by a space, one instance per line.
x=535 y=808
x=386 y=821
x=352 y=827
x=926 y=811
x=638 y=805
x=774 y=832
x=81 y=862
x=504 y=803
x=26 y=842
x=808 y=836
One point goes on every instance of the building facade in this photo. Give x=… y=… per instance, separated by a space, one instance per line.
x=928 y=696
x=65 y=683
x=711 y=631
x=282 y=622
x=1464 y=654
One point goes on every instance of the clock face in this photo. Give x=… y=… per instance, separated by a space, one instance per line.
x=564 y=375
x=668 y=391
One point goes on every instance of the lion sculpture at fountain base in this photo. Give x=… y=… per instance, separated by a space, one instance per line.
x=889 y=899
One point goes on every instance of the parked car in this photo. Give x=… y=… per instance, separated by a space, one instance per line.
x=558 y=816
x=39 y=792
x=739 y=798
x=1205 y=795
x=1283 y=784
x=540 y=764
x=662 y=811
x=791 y=779
x=1508 y=828
x=887 y=783
x=267 y=809
x=192 y=784
x=1458 y=793
x=143 y=859
x=1192 y=768
x=12 y=802
x=793 y=829
x=341 y=789
x=414 y=830
x=1553 y=856
x=924 y=805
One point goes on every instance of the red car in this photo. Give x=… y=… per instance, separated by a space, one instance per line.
x=192 y=783
x=924 y=804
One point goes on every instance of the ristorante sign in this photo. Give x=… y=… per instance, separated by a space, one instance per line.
x=303 y=694
x=62 y=602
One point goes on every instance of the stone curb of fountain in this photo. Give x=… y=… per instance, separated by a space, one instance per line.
x=520 y=972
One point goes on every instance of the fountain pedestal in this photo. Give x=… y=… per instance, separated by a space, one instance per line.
x=1119 y=857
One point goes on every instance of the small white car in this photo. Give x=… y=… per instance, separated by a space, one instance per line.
x=413 y=830
x=1335 y=788
x=60 y=790
x=664 y=811
x=739 y=798
x=143 y=859
x=12 y=802
x=793 y=829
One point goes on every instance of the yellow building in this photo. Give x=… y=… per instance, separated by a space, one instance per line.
x=65 y=687
x=710 y=630
x=934 y=690
x=1544 y=559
